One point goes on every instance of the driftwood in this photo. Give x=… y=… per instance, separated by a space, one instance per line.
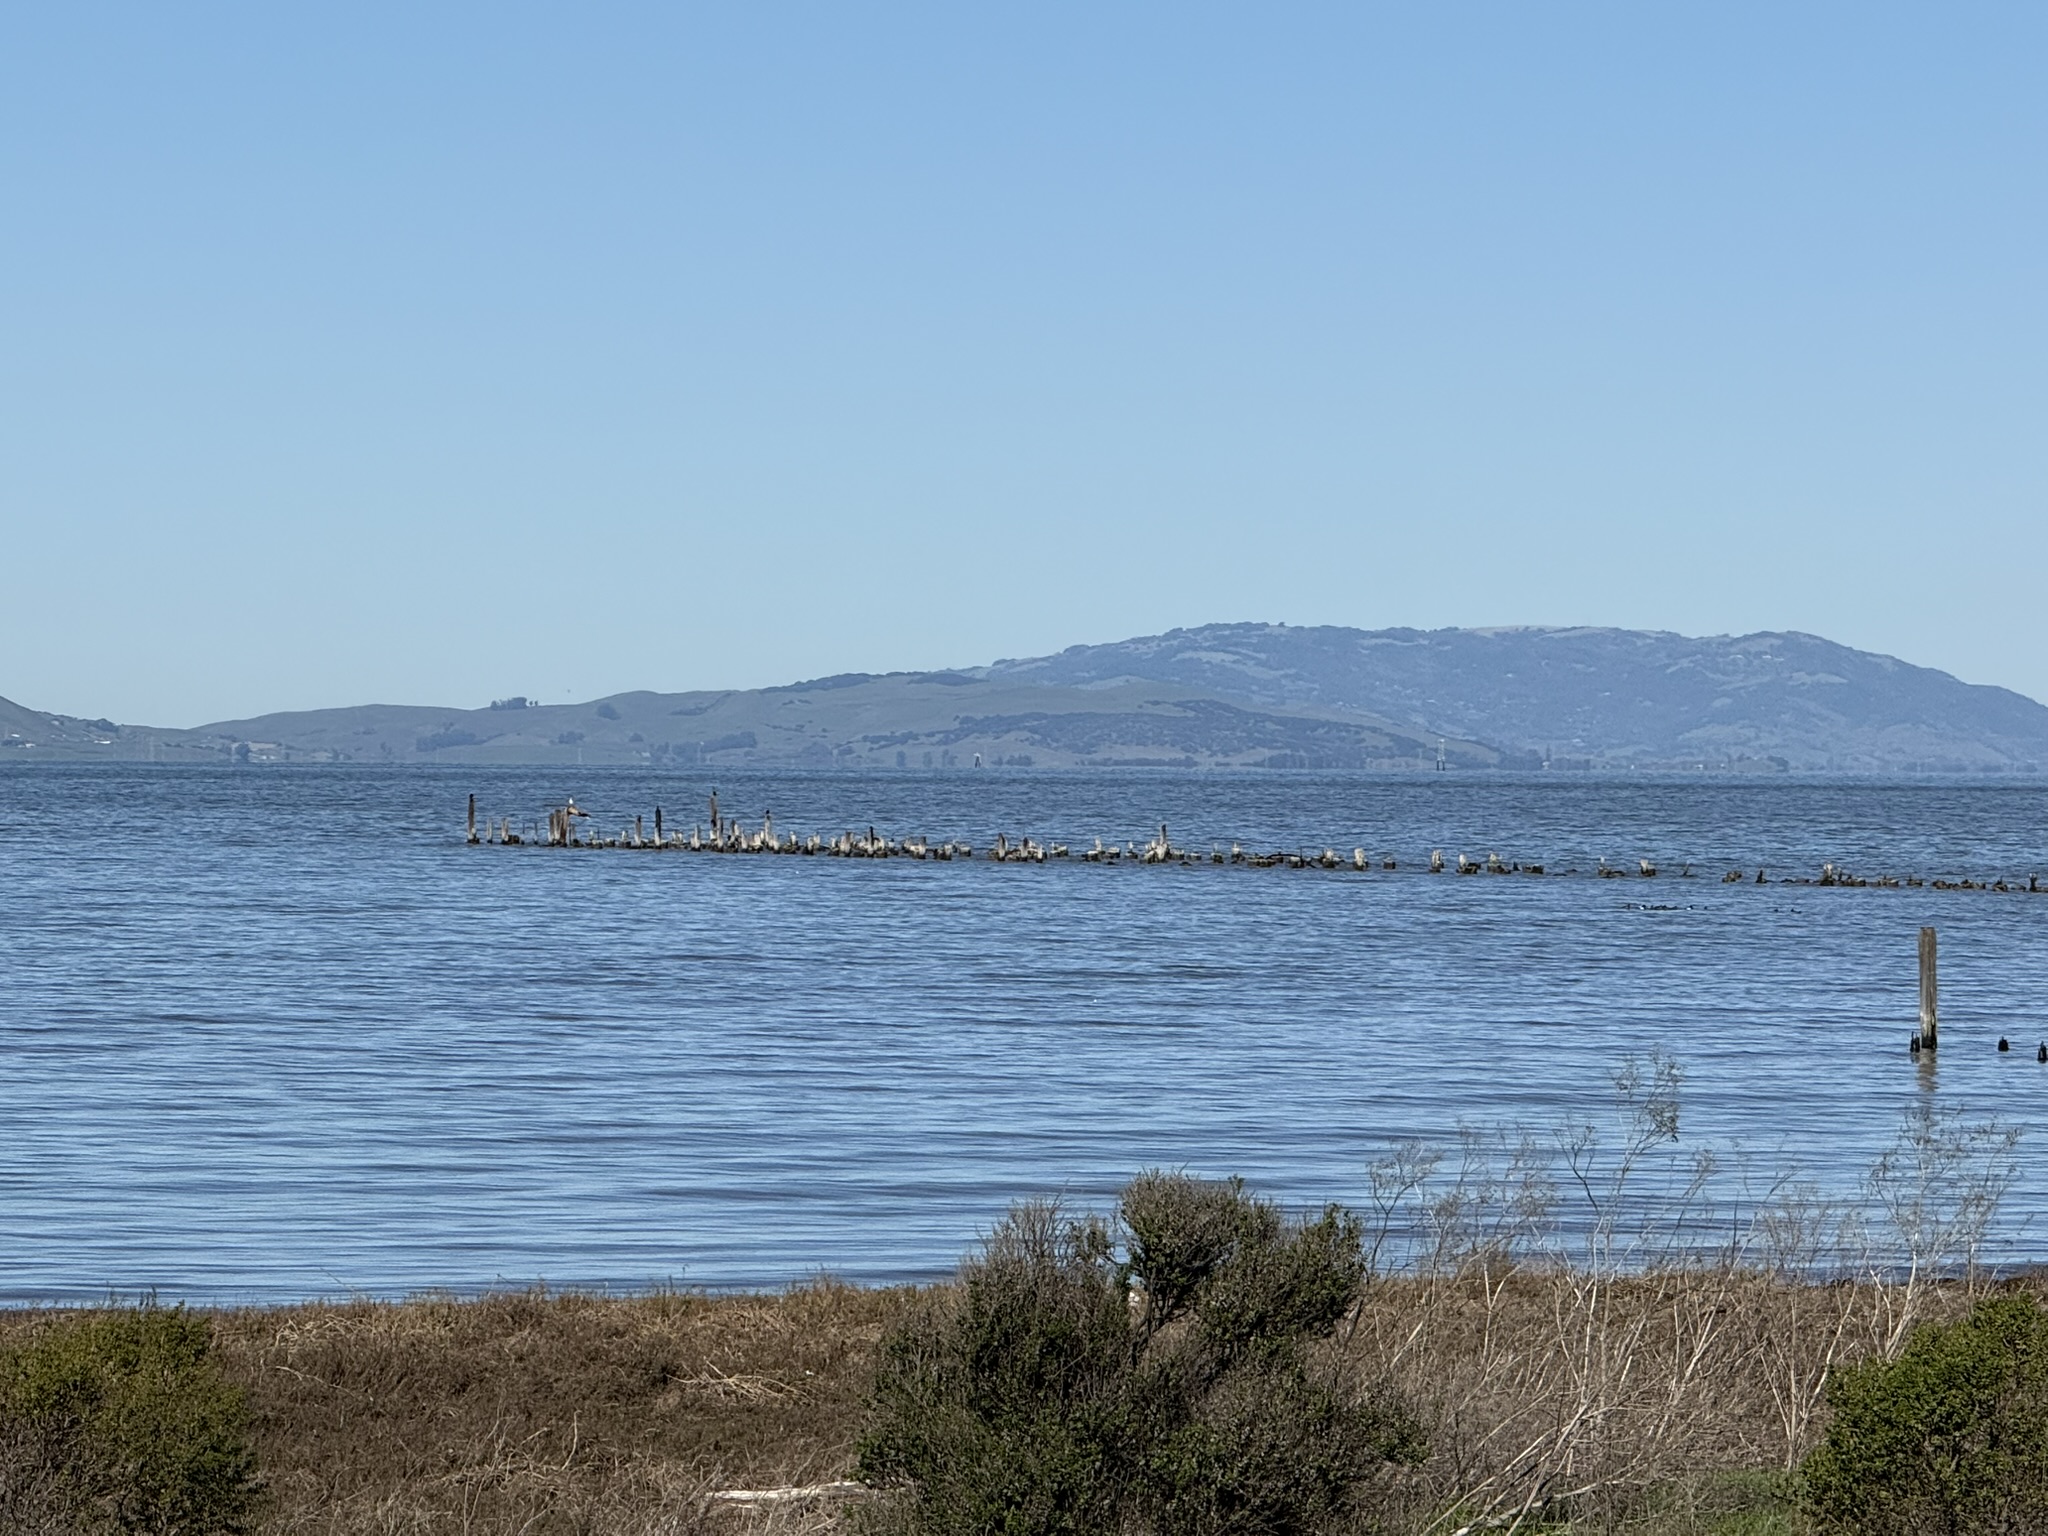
x=794 y=1495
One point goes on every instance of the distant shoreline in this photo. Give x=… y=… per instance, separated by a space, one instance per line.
x=1598 y=774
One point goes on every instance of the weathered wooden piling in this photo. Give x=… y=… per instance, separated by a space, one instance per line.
x=1930 y=1019
x=472 y=818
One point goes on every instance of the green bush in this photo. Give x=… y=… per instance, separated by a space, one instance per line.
x=1060 y=1388
x=121 y=1421
x=1951 y=1437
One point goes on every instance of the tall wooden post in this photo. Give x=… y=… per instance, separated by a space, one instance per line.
x=472 y=818
x=1929 y=1006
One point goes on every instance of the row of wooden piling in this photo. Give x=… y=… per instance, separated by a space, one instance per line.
x=562 y=828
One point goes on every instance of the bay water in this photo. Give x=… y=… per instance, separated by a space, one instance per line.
x=269 y=1032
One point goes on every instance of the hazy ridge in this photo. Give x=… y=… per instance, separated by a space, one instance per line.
x=1221 y=695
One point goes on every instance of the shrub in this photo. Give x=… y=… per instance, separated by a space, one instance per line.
x=1060 y=1388
x=121 y=1421
x=1951 y=1437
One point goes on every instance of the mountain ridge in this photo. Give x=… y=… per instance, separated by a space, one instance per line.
x=1238 y=695
x=1818 y=704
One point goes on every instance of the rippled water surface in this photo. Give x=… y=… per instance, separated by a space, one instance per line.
x=272 y=1032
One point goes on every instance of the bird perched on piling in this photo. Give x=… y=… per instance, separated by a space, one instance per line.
x=564 y=821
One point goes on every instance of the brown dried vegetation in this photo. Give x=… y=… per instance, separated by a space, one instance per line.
x=538 y=1413
x=1631 y=1404
x=1627 y=1403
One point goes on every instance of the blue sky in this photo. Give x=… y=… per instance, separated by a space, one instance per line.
x=427 y=354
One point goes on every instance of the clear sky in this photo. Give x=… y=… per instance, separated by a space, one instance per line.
x=432 y=353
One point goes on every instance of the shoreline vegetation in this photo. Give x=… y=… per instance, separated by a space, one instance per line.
x=1528 y=1330
x=1679 y=1403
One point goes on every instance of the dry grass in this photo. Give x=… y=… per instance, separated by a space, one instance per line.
x=1615 y=1401
x=1546 y=1392
x=536 y=1413
x=544 y=1414
x=1626 y=1403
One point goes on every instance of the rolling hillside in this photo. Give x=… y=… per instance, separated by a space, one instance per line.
x=1595 y=696
x=1223 y=695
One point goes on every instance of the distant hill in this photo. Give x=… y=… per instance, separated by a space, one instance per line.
x=906 y=719
x=30 y=731
x=1224 y=695
x=1595 y=696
